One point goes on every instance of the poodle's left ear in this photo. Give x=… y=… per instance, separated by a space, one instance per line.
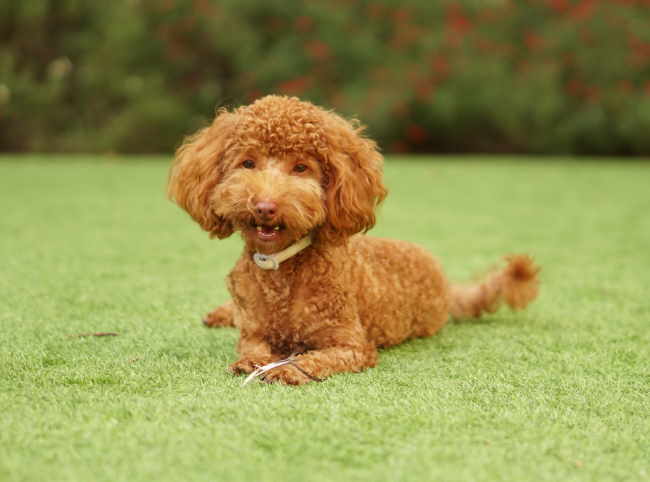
x=198 y=168
x=353 y=181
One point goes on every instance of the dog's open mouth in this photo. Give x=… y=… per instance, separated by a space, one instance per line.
x=268 y=232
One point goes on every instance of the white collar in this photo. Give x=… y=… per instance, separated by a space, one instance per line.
x=272 y=261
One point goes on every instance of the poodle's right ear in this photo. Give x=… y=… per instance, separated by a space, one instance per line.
x=198 y=168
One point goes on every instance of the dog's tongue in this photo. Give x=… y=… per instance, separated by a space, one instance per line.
x=268 y=230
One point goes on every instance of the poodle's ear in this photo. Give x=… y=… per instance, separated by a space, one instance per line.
x=353 y=182
x=198 y=168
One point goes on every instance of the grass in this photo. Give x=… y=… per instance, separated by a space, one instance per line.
x=558 y=392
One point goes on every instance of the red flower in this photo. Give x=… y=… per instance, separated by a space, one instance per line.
x=575 y=87
x=253 y=94
x=401 y=15
x=583 y=10
x=416 y=133
x=296 y=86
x=580 y=89
x=304 y=23
x=457 y=20
x=440 y=65
x=533 y=41
x=424 y=90
x=318 y=50
x=375 y=11
x=625 y=86
x=559 y=5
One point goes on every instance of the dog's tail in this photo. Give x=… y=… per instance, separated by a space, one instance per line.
x=517 y=284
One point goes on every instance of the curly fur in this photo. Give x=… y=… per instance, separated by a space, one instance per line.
x=346 y=295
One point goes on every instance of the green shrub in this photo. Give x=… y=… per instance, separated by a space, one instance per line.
x=136 y=75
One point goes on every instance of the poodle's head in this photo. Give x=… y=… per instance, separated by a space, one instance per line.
x=277 y=170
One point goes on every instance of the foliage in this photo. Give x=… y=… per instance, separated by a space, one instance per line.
x=135 y=75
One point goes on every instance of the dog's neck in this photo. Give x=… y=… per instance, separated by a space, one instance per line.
x=273 y=261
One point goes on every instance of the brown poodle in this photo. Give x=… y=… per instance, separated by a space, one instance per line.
x=300 y=183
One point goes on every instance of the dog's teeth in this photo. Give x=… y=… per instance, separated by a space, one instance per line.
x=259 y=228
x=277 y=228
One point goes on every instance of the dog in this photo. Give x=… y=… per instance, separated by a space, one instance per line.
x=302 y=185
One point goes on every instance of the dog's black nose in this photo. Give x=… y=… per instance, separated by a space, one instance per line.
x=266 y=209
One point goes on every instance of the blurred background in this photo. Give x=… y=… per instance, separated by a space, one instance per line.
x=135 y=76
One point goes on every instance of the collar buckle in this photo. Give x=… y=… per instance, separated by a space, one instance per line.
x=266 y=261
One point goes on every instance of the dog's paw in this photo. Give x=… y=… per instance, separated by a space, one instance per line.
x=220 y=317
x=246 y=365
x=287 y=374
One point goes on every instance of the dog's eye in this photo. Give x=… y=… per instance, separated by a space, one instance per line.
x=248 y=164
x=300 y=168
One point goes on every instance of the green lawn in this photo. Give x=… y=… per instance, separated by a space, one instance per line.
x=559 y=392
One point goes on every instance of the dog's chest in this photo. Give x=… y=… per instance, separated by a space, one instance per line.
x=283 y=330
x=268 y=301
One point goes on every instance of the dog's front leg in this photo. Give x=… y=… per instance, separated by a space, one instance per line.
x=340 y=353
x=221 y=316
